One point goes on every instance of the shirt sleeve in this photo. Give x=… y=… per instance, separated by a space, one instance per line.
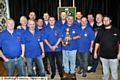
x=44 y=35
x=77 y=31
x=97 y=39
x=23 y=39
x=60 y=33
x=92 y=35
x=1 y=39
x=41 y=36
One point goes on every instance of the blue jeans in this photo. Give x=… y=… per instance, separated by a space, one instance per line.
x=18 y=63
x=83 y=57
x=69 y=56
x=58 y=56
x=110 y=65
x=40 y=67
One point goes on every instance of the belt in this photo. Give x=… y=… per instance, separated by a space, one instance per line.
x=13 y=58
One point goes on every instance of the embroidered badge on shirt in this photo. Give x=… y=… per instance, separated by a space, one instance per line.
x=115 y=34
x=56 y=33
x=85 y=34
x=38 y=39
x=19 y=40
x=73 y=31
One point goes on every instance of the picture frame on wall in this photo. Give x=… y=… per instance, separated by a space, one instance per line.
x=68 y=10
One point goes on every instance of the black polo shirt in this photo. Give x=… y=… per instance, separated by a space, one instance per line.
x=108 y=39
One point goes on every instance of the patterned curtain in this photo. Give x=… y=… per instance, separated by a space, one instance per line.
x=3 y=13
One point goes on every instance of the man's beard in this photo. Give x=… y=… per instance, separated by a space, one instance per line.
x=107 y=25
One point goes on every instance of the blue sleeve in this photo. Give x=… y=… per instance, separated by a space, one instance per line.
x=23 y=39
x=77 y=31
x=1 y=39
x=41 y=36
x=44 y=34
x=60 y=33
x=63 y=32
x=92 y=35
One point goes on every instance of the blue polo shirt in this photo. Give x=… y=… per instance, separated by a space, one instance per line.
x=52 y=36
x=77 y=23
x=60 y=24
x=45 y=25
x=74 y=31
x=11 y=43
x=23 y=30
x=87 y=35
x=32 y=44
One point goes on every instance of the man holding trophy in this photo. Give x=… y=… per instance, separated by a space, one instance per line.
x=70 y=36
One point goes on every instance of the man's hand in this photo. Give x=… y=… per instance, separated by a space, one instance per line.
x=118 y=56
x=95 y=55
x=23 y=58
x=6 y=60
x=43 y=55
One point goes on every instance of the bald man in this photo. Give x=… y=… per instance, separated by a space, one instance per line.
x=32 y=48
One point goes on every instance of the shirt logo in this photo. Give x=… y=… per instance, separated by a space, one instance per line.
x=85 y=34
x=56 y=33
x=19 y=40
x=114 y=34
x=73 y=31
x=38 y=39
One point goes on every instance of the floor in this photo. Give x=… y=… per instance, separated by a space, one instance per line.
x=90 y=76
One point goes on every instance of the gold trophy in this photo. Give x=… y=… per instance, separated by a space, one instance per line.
x=66 y=41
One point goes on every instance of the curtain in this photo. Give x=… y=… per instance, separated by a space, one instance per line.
x=106 y=7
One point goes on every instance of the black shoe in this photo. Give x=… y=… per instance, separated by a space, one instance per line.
x=90 y=71
x=47 y=72
x=84 y=75
x=61 y=75
x=52 y=76
x=81 y=71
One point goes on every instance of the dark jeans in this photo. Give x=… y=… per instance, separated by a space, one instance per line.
x=40 y=67
x=58 y=56
x=15 y=63
x=90 y=59
x=45 y=61
x=83 y=57
x=77 y=60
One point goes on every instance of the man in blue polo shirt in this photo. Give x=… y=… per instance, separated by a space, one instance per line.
x=46 y=20
x=32 y=48
x=78 y=19
x=69 y=51
x=10 y=42
x=23 y=27
x=52 y=37
x=85 y=44
x=62 y=20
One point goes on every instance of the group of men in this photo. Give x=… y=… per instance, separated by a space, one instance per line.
x=36 y=41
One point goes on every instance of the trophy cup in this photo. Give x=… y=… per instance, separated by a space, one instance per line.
x=66 y=41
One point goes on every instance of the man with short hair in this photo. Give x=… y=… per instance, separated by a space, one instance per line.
x=85 y=44
x=10 y=42
x=78 y=18
x=52 y=37
x=32 y=48
x=45 y=19
x=69 y=51
x=108 y=39
x=62 y=21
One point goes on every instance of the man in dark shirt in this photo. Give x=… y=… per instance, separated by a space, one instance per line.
x=108 y=39
x=96 y=27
